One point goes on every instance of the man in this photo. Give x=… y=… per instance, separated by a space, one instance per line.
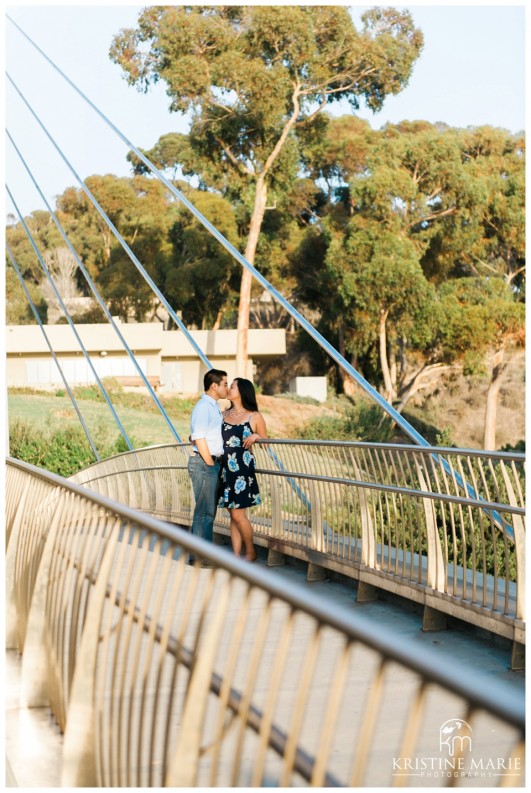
x=207 y=445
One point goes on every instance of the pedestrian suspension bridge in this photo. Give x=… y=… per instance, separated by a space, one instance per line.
x=222 y=673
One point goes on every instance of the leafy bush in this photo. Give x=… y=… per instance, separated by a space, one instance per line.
x=91 y=392
x=519 y=447
x=444 y=437
x=62 y=451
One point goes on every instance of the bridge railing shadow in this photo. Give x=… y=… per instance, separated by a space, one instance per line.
x=389 y=516
x=220 y=673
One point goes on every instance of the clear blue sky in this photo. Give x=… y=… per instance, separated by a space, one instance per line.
x=470 y=73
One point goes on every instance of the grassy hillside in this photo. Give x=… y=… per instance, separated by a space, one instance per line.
x=141 y=423
x=140 y=417
x=452 y=413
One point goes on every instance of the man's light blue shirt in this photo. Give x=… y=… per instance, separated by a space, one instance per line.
x=206 y=423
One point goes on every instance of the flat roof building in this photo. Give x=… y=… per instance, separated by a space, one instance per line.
x=165 y=356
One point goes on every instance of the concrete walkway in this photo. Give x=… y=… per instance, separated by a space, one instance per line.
x=34 y=743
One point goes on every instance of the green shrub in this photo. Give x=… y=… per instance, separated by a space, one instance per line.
x=444 y=437
x=518 y=447
x=88 y=392
x=61 y=451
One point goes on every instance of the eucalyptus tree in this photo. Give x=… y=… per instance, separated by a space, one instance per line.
x=43 y=231
x=18 y=309
x=495 y=160
x=335 y=152
x=413 y=206
x=47 y=239
x=253 y=76
x=201 y=278
x=141 y=212
x=384 y=290
x=479 y=320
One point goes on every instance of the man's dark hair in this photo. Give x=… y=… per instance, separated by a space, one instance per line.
x=213 y=376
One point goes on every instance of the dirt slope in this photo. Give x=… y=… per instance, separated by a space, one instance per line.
x=455 y=407
x=284 y=417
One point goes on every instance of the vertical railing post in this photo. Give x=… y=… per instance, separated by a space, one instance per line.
x=79 y=751
x=10 y=565
x=435 y=574
x=368 y=539
x=183 y=768
x=276 y=507
x=316 y=517
x=519 y=548
x=34 y=689
x=276 y=558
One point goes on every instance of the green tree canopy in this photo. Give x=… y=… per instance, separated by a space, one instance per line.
x=478 y=315
x=18 y=308
x=202 y=277
x=251 y=76
x=479 y=320
x=142 y=212
x=44 y=232
x=412 y=206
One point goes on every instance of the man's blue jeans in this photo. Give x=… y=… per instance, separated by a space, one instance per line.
x=205 y=482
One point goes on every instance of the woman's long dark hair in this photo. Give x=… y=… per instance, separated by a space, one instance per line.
x=246 y=389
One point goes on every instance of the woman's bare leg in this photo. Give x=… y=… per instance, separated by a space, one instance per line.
x=235 y=536
x=245 y=530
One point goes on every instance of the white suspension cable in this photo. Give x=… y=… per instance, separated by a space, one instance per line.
x=302 y=321
x=52 y=351
x=71 y=323
x=329 y=349
x=97 y=294
x=115 y=231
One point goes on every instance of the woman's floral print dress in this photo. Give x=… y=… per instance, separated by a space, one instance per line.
x=239 y=488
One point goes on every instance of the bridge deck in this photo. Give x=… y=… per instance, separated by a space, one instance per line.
x=34 y=744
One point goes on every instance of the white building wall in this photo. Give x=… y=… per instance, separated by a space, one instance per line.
x=167 y=355
x=314 y=387
x=43 y=372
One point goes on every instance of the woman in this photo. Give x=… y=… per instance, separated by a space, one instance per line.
x=242 y=426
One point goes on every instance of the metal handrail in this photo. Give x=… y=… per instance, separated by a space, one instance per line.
x=382 y=509
x=117 y=618
x=472 y=502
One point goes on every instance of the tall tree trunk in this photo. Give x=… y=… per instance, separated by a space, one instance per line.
x=242 y=357
x=347 y=382
x=498 y=367
x=260 y=201
x=217 y=321
x=107 y=236
x=382 y=335
x=392 y=367
x=432 y=371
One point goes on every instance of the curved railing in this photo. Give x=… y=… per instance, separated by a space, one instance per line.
x=162 y=673
x=388 y=515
